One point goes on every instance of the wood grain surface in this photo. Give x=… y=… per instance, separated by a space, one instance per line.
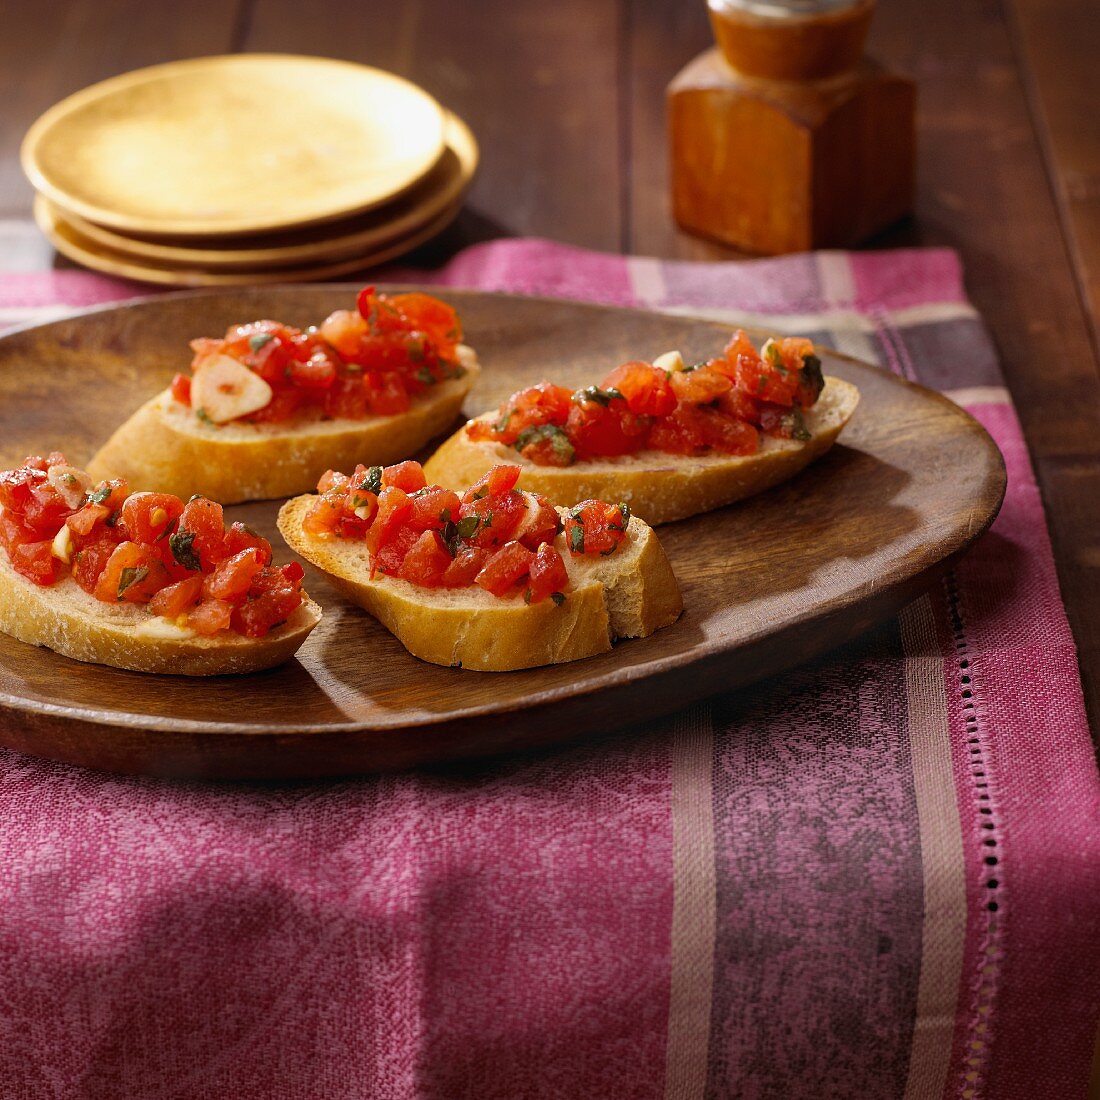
x=766 y=584
x=1008 y=160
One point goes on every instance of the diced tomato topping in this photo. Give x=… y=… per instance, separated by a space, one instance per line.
x=427 y=561
x=505 y=568
x=233 y=576
x=498 y=480
x=181 y=389
x=146 y=548
x=210 y=617
x=202 y=524
x=432 y=508
x=595 y=527
x=177 y=598
x=647 y=389
x=714 y=407
x=539 y=525
x=548 y=575
x=394 y=508
x=133 y=573
x=35 y=561
x=148 y=516
x=464 y=567
x=390 y=557
x=408 y=476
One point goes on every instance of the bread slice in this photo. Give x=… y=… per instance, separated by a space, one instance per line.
x=659 y=487
x=629 y=594
x=65 y=618
x=166 y=448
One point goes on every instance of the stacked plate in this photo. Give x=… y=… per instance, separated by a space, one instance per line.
x=246 y=169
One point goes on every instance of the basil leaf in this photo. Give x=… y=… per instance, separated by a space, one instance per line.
x=424 y=375
x=260 y=340
x=594 y=393
x=100 y=495
x=487 y=520
x=130 y=577
x=182 y=545
x=467 y=527
x=559 y=441
x=812 y=378
x=797 y=425
x=558 y=598
x=576 y=539
x=373 y=481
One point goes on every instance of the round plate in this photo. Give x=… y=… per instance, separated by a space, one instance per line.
x=767 y=583
x=76 y=247
x=439 y=191
x=234 y=145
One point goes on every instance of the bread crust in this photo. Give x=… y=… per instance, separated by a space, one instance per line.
x=65 y=618
x=164 y=448
x=659 y=487
x=627 y=595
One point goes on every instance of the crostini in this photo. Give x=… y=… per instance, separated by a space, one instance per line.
x=268 y=408
x=668 y=438
x=494 y=579
x=141 y=581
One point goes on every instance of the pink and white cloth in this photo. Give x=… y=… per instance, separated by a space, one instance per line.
x=875 y=876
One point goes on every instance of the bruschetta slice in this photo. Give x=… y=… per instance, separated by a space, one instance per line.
x=268 y=408
x=492 y=579
x=669 y=439
x=141 y=581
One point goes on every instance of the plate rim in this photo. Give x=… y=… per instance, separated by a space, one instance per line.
x=197 y=229
x=617 y=678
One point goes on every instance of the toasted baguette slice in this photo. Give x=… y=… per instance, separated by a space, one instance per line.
x=630 y=594
x=659 y=487
x=65 y=618
x=166 y=448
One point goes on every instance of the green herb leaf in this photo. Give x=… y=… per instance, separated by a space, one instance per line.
x=260 y=340
x=770 y=352
x=415 y=347
x=793 y=420
x=576 y=539
x=487 y=520
x=130 y=577
x=467 y=526
x=424 y=375
x=557 y=438
x=558 y=598
x=594 y=393
x=182 y=545
x=445 y=516
x=625 y=509
x=812 y=378
x=112 y=519
x=204 y=416
x=527 y=596
x=372 y=483
x=100 y=495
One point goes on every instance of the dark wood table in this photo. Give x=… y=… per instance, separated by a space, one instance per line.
x=567 y=101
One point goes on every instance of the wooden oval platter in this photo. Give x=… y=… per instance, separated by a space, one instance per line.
x=766 y=583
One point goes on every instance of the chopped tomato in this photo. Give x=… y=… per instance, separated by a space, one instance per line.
x=597 y=429
x=210 y=617
x=432 y=508
x=595 y=527
x=146 y=548
x=408 y=476
x=465 y=566
x=394 y=508
x=148 y=516
x=181 y=389
x=202 y=526
x=647 y=389
x=497 y=516
x=241 y=537
x=548 y=574
x=498 y=480
x=177 y=598
x=530 y=408
x=391 y=555
x=133 y=573
x=700 y=386
x=540 y=524
x=694 y=429
x=35 y=561
x=426 y=561
x=505 y=568
x=233 y=576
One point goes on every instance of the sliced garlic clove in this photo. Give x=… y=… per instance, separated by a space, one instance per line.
x=62 y=547
x=69 y=483
x=223 y=390
x=671 y=361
